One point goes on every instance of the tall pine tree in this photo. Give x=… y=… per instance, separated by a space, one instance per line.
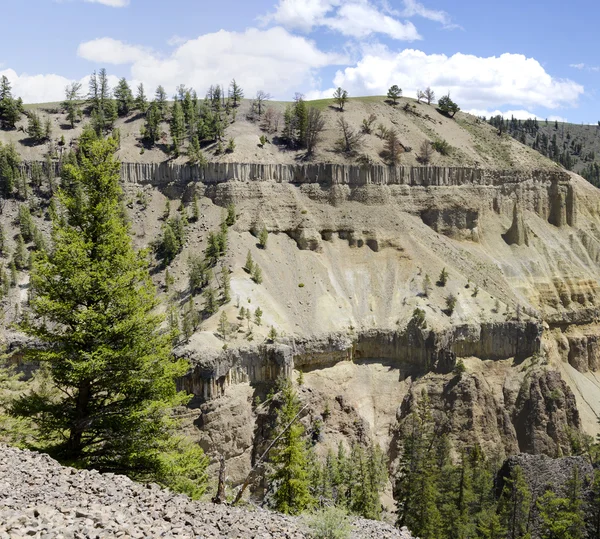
x=93 y=306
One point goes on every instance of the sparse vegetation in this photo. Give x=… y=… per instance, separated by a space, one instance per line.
x=447 y=106
x=441 y=146
x=425 y=152
x=340 y=97
x=443 y=278
x=394 y=93
x=263 y=238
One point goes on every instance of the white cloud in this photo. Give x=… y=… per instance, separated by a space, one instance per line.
x=361 y=20
x=357 y=18
x=106 y=50
x=301 y=14
x=36 y=88
x=45 y=88
x=474 y=82
x=413 y=8
x=517 y=114
x=273 y=60
x=111 y=3
x=577 y=66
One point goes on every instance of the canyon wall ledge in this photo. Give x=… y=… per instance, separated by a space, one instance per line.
x=412 y=350
x=165 y=173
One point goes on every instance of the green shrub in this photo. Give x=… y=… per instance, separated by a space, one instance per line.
x=443 y=278
x=418 y=318
x=450 y=303
x=442 y=147
x=329 y=523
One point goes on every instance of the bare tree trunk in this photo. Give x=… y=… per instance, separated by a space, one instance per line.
x=220 y=497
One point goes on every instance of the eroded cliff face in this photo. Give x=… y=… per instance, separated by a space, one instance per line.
x=349 y=254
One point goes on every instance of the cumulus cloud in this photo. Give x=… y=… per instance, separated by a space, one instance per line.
x=517 y=114
x=273 y=60
x=111 y=51
x=356 y=18
x=36 y=88
x=45 y=88
x=474 y=82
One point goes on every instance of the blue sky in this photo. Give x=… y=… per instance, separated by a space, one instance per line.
x=515 y=57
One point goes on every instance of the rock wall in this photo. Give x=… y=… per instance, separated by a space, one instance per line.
x=325 y=173
x=415 y=349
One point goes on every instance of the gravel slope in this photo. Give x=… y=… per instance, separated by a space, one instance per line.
x=40 y=498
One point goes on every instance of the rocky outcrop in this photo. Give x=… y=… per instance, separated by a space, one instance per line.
x=415 y=349
x=542 y=472
x=464 y=407
x=545 y=415
x=40 y=498
x=541 y=418
x=517 y=233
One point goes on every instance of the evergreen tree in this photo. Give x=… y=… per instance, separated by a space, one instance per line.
x=26 y=225
x=210 y=300
x=416 y=485
x=249 y=266
x=289 y=477
x=9 y=169
x=151 y=131
x=2 y=241
x=177 y=126
x=263 y=237
x=10 y=108
x=258 y=316
x=394 y=93
x=340 y=97
x=169 y=244
x=141 y=101
x=160 y=98
x=114 y=371
x=224 y=326
x=236 y=94
x=230 y=219
x=447 y=106
x=225 y=285
x=20 y=256
x=513 y=506
x=198 y=274
x=124 y=97
x=257 y=274
x=34 y=127
x=563 y=518
x=195 y=209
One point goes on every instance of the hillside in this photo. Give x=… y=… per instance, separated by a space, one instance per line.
x=473 y=142
x=351 y=290
x=576 y=147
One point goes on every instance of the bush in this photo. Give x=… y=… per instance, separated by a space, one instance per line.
x=263 y=237
x=441 y=147
x=459 y=368
x=329 y=523
x=447 y=106
x=443 y=278
x=450 y=304
x=418 y=318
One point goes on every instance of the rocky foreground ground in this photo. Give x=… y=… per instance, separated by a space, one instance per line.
x=40 y=498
